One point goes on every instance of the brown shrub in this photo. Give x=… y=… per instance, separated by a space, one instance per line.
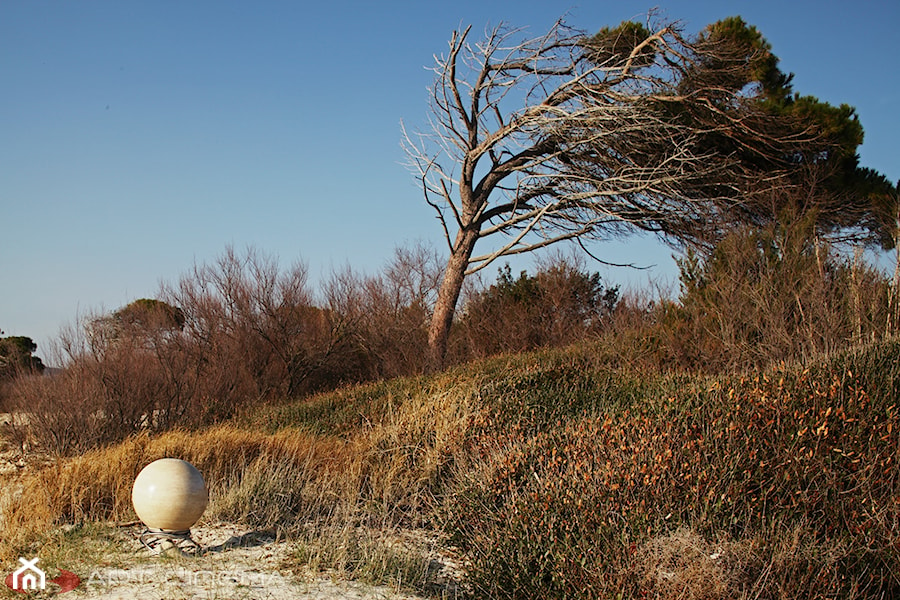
x=256 y=330
x=227 y=337
x=391 y=311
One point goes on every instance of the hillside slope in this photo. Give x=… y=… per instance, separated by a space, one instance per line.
x=557 y=474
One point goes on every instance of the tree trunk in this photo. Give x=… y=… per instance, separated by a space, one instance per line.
x=893 y=316
x=448 y=296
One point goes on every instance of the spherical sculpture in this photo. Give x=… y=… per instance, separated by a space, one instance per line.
x=169 y=494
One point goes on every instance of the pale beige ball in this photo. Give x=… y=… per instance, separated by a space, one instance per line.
x=169 y=494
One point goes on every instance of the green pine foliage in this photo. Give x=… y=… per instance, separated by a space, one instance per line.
x=16 y=357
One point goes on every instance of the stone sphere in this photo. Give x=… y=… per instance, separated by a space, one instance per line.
x=169 y=494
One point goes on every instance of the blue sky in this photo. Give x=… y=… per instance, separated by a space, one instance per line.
x=141 y=137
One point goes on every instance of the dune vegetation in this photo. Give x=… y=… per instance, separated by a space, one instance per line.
x=554 y=474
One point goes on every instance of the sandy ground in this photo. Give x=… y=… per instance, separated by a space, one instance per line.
x=234 y=563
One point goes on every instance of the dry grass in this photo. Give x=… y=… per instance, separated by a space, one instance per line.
x=684 y=565
x=380 y=474
x=374 y=556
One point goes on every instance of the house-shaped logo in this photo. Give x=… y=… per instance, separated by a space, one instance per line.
x=28 y=577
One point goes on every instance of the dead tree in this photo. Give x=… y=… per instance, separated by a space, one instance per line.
x=565 y=136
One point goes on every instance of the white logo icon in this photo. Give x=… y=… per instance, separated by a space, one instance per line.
x=28 y=577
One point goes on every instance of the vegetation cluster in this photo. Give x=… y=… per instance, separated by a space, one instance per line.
x=554 y=474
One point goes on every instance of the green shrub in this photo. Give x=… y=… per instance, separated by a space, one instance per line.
x=765 y=295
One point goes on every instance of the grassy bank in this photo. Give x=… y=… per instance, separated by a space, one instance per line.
x=556 y=474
